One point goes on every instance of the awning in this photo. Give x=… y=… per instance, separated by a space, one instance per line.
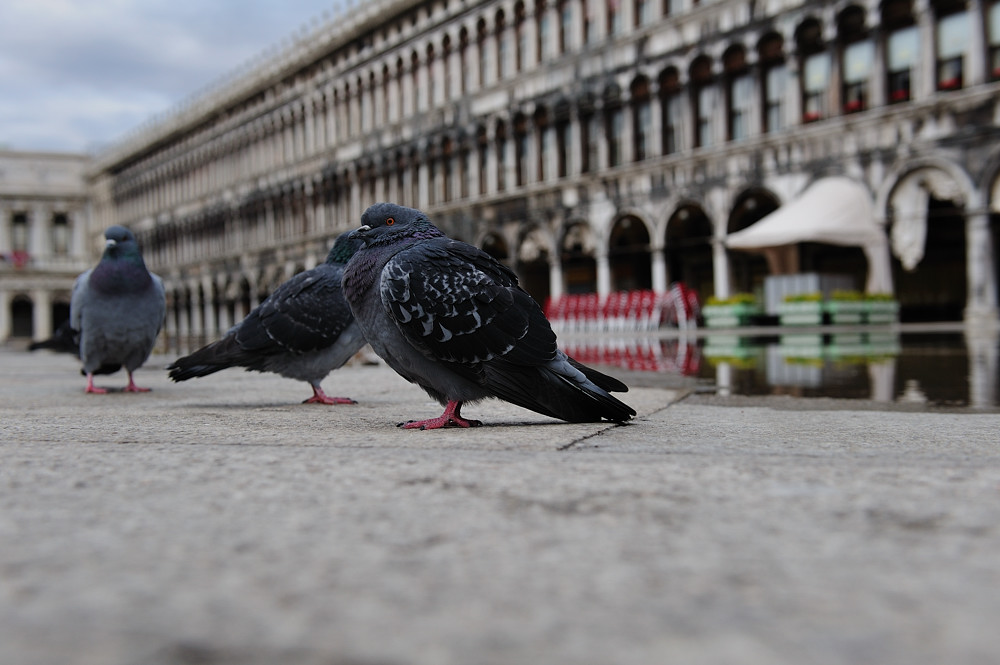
x=835 y=211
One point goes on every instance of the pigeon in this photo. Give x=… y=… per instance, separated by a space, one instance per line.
x=304 y=330
x=117 y=309
x=450 y=318
x=63 y=340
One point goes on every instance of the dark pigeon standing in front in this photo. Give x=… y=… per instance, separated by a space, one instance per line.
x=452 y=319
x=304 y=330
x=117 y=309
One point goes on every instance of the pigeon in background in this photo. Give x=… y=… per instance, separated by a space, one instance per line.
x=63 y=340
x=117 y=309
x=452 y=319
x=304 y=330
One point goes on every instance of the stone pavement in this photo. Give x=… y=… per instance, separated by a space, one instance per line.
x=220 y=521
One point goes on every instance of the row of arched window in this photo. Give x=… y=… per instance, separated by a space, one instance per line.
x=773 y=84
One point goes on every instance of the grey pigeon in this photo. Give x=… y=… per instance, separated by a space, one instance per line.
x=117 y=309
x=452 y=319
x=304 y=330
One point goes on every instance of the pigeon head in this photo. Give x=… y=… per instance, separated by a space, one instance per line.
x=120 y=242
x=388 y=223
x=343 y=249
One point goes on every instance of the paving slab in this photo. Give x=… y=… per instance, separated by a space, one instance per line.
x=222 y=521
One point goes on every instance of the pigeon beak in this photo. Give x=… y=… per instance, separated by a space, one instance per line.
x=360 y=233
x=110 y=243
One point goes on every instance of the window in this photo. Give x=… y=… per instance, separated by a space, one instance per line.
x=858 y=59
x=464 y=74
x=952 y=41
x=565 y=26
x=643 y=129
x=616 y=133
x=543 y=45
x=19 y=232
x=614 y=17
x=60 y=234
x=520 y=41
x=815 y=84
x=993 y=35
x=706 y=101
x=587 y=143
x=775 y=82
x=672 y=110
x=483 y=148
x=446 y=76
x=548 y=150
x=642 y=119
x=430 y=99
x=564 y=138
x=503 y=55
x=903 y=46
x=644 y=12
x=740 y=105
x=501 y=146
x=522 y=151
x=484 y=56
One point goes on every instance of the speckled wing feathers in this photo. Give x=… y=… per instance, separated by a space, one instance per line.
x=304 y=314
x=453 y=303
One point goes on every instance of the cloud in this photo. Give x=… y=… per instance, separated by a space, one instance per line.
x=75 y=74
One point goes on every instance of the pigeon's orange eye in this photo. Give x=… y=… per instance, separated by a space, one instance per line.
x=389 y=221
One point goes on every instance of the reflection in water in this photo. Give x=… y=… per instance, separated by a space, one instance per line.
x=929 y=367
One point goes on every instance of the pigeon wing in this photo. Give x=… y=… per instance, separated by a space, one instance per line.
x=456 y=303
x=306 y=313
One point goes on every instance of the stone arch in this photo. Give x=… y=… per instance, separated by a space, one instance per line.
x=22 y=315
x=926 y=204
x=687 y=243
x=749 y=269
x=629 y=245
x=578 y=257
x=535 y=248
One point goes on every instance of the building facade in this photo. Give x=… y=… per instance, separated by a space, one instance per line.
x=43 y=240
x=593 y=145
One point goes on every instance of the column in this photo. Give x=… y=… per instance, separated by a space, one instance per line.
x=981 y=269
x=659 y=270
x=195 y=322
x=4 y=234
x=183 y=328
x=5 y=322
x=603 y=271
x=210 y=324
x=720 y=268
x=170 y=324
x=41 y=314
x=555 y=277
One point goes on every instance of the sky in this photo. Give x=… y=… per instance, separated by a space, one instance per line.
x=77 y=75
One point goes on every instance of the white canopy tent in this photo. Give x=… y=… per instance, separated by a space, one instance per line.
x=835 y=211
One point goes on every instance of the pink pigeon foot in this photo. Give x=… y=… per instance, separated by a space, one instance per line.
x=320 y=397
x=132 y=388
x=91 y=388
x=450 y=418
